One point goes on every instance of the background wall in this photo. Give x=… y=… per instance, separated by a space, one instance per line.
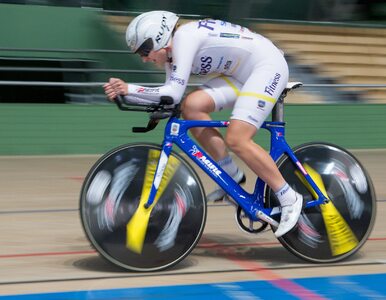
x=94 y=129
x=59 y=37
x=90 y=128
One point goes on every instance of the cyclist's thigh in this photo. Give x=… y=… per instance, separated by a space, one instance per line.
x=197 y=101
x=260 y=93
x=223 y=91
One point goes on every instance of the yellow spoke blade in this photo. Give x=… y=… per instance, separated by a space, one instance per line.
x=340 y=235
x=137 y=226
x=315 y=177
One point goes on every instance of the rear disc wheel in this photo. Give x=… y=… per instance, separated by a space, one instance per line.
x=336 y=230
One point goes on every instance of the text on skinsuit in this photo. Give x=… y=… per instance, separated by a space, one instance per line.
x=148 y=90
x=206 y=24
x=206 y=65
x=270 y=89
x=176 y=79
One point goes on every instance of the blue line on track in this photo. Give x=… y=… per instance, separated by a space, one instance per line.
x=370 y=286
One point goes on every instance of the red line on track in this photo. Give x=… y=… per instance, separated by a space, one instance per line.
x=276 y=280
x=77 y=178
x=217 y=245
x=206 y=244
x=47 y=254
x=201 y=245
x=377 y=239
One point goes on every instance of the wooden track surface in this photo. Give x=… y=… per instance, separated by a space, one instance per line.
x=43 y=247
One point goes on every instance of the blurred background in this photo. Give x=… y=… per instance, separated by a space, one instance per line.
x=56 y=54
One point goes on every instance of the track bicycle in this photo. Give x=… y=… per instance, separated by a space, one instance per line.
x=143 y=207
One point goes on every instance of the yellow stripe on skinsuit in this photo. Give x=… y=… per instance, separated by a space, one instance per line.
x=247 y=94
x=231 y=84
x=257 y=95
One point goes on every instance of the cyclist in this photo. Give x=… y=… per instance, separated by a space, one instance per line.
x=244 y=71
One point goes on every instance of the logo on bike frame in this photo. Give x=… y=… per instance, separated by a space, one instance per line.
x=203 y=160
x=175 y=129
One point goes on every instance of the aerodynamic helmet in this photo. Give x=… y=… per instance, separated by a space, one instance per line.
x=150 y=31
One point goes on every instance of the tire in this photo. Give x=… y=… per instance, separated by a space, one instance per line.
x=111 y=195
x=320 y=237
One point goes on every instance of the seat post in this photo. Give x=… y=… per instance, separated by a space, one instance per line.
x=278 y=110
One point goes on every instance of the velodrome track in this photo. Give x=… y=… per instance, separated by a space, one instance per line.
x=43 y=248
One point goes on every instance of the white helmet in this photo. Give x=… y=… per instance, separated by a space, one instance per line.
x=150 y=31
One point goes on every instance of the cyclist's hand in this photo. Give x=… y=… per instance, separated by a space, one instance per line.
x=115 y=87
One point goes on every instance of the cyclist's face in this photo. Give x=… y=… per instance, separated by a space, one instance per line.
x=158 y=57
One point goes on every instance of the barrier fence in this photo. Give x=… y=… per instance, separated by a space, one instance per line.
x=99 y=84
x=110 y=70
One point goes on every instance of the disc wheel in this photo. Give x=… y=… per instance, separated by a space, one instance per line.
x=111 y=196
x=336 y=230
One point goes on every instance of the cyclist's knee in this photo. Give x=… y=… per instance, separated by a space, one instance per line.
x=239 y=135
x=234 y=141
x=195 y=104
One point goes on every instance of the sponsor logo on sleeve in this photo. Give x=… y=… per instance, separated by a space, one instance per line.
x=145 y=90
x=177 y=79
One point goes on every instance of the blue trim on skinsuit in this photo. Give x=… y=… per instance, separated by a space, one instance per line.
x=369 y=286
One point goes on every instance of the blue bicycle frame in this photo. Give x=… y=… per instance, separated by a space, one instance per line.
x=176 y=132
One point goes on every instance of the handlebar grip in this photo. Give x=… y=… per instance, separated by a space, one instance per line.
x=119 y=102
x=158 y=111
x=157 y=115
x=166 y=100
